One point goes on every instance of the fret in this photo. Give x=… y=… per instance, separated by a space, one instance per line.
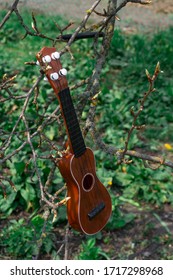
x=72 y=124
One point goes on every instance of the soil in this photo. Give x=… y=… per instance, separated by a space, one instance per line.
x=147 y=237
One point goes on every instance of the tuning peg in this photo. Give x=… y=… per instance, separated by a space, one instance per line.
x=45 y=79
x=54 y=76
x=55 y=55
x=37 y=63
x=46 y=58
x=63 y=72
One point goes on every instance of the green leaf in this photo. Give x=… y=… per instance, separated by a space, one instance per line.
x=48 y=245
x=37 y=221
x=19 y=166
x=50 y=133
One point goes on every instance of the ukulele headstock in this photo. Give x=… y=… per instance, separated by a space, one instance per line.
x=49 y=59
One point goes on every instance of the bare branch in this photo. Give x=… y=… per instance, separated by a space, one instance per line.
x=83 y=23
x=142 y=102
x=6 y=145
x=12 y=9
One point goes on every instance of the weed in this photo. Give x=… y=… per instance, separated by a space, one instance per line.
x=90 y=251
x=21 y=240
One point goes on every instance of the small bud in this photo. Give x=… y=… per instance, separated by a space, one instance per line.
x=156 y=72
x=132 y=111
x=33 y=26
x=157 y=69
x=147 y=74
x=55 y=215
x=64 y=201
x=88 y=12
x=5 y=77
x=39 y=129
x=117 y=18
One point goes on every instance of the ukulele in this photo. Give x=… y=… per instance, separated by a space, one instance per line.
x=89 y=206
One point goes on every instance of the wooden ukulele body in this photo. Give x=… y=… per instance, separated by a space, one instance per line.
x=89 y=206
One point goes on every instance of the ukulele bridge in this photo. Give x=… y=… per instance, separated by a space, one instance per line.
x=95 y=211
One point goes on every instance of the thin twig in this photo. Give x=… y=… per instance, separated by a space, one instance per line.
x=7 y=16
x=83 y=23
x=6 y=145
x=66 y=241
x=142 y=102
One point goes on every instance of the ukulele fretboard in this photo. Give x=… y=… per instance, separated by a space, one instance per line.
x=72 y=124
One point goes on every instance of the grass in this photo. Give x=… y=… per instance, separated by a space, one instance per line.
x=123 y=83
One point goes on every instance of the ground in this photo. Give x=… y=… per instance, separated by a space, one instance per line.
x=148 y=236
x=133 y=16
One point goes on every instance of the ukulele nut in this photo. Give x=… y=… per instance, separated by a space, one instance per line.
x=46 y=58
x=63 y=72
x=54 y=76
x=55 y=55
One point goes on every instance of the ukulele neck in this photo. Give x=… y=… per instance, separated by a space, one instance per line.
x=76 y=141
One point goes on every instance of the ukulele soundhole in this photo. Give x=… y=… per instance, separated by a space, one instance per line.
x=88 y=182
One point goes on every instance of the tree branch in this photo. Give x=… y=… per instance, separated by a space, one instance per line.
x=12 y=9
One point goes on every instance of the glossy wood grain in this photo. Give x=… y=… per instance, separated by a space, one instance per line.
x=82 y=201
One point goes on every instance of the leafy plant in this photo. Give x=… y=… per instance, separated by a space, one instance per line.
x=21 y=240
x=119 y=219
x=90 y=251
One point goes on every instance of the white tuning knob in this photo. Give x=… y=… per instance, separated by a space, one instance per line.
x=45 y=79
x=46 y=58
x=55 y=55
x=63 y=72
x=37 y=63
x=54 y=76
